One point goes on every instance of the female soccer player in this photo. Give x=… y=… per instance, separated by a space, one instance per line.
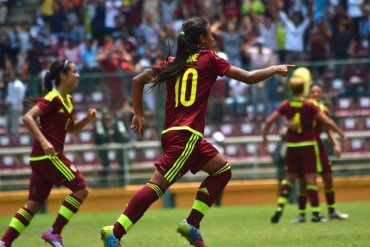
x=49 y=165
x=315 y=95
x=188 y=79
x=301 y=154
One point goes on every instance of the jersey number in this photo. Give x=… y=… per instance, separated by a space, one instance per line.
x=181 y=88
x=297 y=120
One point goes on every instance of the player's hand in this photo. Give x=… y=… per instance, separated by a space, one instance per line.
x=137 y=125
x=47 y=147
x=283 y=69
x=264 y=142
x=92 y=114
x=338 y=151
x=292 y=125
x=345 y=142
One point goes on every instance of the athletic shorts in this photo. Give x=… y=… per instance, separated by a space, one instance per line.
x=53 y=171
x=183 y=151
x=325 y=163
x=301 y=160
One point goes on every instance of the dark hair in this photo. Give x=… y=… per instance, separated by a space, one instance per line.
x=316 y=84
x=56 y=69
x=54 y=72
x=187 y=44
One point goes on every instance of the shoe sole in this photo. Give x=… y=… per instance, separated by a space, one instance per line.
x=184 y=235
x=51 y=243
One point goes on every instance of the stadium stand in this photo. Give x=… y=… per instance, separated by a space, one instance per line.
x=344 y=107
x=242 y=141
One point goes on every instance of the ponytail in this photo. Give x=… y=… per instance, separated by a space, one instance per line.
x=52 y=76
x=187 y=44
x=48 y=81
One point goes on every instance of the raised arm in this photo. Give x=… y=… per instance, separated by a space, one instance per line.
x=252 y=77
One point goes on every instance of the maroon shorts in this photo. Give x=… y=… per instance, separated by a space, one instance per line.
x=55 y=171
x=301 y=160
x=325 y=163
x=183 y=151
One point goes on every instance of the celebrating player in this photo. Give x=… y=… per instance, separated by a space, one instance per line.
x=301 y=156
x=315 y=95
x=188 y=79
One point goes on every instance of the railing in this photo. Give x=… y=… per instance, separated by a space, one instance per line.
x=255 y=167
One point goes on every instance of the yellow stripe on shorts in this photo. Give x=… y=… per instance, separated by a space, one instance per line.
x=172 y=173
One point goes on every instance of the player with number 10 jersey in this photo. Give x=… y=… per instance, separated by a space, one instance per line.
x=192 y=88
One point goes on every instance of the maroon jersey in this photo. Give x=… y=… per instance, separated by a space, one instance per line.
x=55 y=121
x=186 y=99
x=302 y=112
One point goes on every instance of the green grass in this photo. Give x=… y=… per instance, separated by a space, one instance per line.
x=223 y=227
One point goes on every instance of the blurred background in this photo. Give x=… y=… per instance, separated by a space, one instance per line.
x=112 y=41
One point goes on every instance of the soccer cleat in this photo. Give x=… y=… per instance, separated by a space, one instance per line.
x=191 y=233
x=336 y=215
x=300 y=219
x=54 y=240
x=276 y=217
x=108 y=237
x=318 y=219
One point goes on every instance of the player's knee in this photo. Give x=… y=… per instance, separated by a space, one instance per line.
x=82 y=193
x=33 y=206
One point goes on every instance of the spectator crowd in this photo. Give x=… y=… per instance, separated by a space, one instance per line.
x=116 y=36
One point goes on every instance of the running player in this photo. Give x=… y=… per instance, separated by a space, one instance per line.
x=188 y=79
x=49 y=165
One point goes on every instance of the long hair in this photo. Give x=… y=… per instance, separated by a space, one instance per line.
x=188 y=43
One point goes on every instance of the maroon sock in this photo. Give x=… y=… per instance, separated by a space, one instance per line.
x=285 y=190
x=208 y=191
x=330 y=199
x=314 y=199
x=70 y=204
x=302 y=201
x=23 y=215
x=137 y=206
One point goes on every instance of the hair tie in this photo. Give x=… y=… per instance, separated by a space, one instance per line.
x=182 y=33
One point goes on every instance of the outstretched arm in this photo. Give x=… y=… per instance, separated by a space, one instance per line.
x=252 y=77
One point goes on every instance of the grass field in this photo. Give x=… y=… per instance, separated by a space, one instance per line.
x=222 y=227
